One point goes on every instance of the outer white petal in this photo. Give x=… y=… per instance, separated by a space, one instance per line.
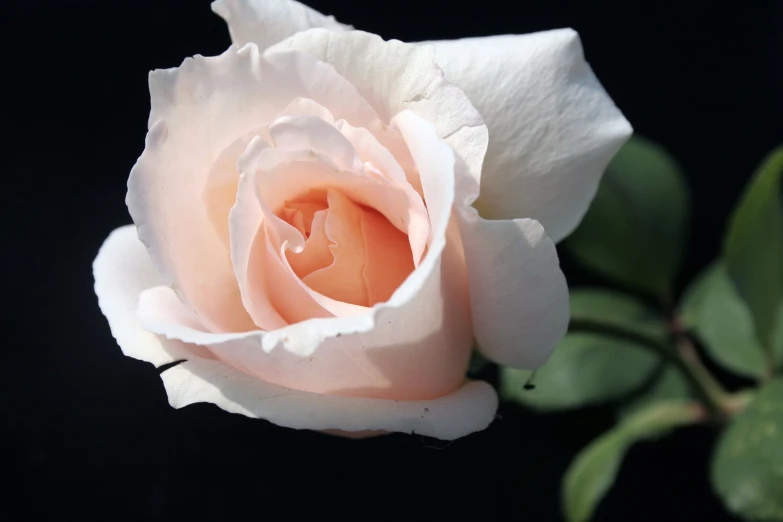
x=552 y=127
x=266 y=22
x=122 y=271
x=470 y=408
x=394 y=76
x=518 y=294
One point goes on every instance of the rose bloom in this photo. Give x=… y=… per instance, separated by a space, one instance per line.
x=326 y=222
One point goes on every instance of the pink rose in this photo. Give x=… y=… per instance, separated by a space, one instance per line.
x=305 y=236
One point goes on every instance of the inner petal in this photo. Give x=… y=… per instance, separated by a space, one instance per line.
x=352 y=253
x=344 y=278
x=388 y=256
x=316 y=253
x=301 y=211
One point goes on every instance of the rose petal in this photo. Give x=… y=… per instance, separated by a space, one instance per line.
x=469 y=409
x=553 y=127
x=245 y=223
x=123 y=266
x=394 y=76
x=388 y=256
x=427 y=317
x=379 y=159
x=343 y=280
x=300 y=133
x=370 y=150
x=518 y=294
x=267 y=22
x=220 y=190
x=259 y=253
x=316 y=253
x=348 y=356
x=435 y=161
x=122 y=271
x=212 y=102
x=307 y=107
x=290 y=172
x=280 y=175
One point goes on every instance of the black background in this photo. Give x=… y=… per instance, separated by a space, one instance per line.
x=90 y=433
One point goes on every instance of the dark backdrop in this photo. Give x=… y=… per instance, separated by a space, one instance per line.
x=90 y=434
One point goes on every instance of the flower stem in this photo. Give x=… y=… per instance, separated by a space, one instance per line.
x=709 y=392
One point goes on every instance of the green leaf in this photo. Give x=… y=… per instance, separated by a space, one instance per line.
x=777 y=339
x=635 y=229
x=585 y=368
x=607 y=307
x=667 y=386
x=713 y=309
x=593 y=471
x=588 y=368
x=747 y=469
x=754 y=245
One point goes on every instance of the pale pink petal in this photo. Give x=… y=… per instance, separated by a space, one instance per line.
x=379 y=159
x=370 y=150
x=388 y=259
x=122 y=271
x=316 y=253
x=220 y=189
x=303 y=211
x=370 y=258
x=436 y=164
x=281 y=175
x=272 y=291
x=266 y=22
x=468 y=409
x=160 y=310
x=352 y=355
x=290 y=295
x=246 y=224
x=553 y=128
x=198 y=110
x=173 y=223
x=286 y=175
x=307 y=107
x=394 y=76
x=300 y=133
x=343 y=280
x=428 y=317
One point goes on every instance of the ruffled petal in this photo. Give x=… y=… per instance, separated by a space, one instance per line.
x=246 y=225
x=300 y=133
x=553 y=128
x=394 y=76
x=266 y=22
x=122 y=271
x=343 y=279
x=468 y=409
x=378 y=160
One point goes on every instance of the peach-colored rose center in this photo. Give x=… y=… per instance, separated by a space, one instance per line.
x=352 y=253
